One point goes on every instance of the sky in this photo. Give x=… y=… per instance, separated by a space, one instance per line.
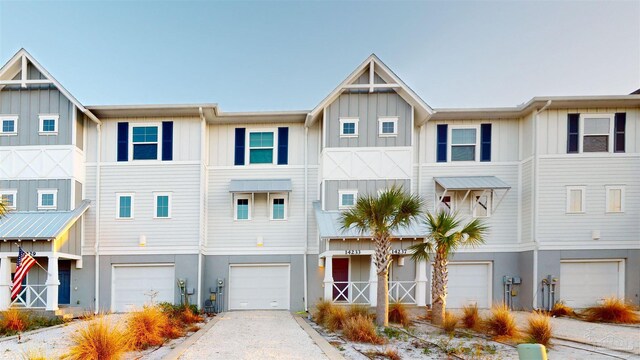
x=257 y=56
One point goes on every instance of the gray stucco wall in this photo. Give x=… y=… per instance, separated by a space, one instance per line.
x=363 y=187
x=83 y=283
x=28 y=192
x=315 y=274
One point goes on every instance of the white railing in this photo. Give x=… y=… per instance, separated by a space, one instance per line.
x=402 y=292
x=31 y=296
x=351 y=292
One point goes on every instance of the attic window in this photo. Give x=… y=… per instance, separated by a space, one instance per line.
x=48 y=124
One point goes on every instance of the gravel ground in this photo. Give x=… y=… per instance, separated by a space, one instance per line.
x=255 y=335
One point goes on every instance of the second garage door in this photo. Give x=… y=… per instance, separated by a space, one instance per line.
x=585 y=283
x=469 y=283
x=259 y=287
x=133 y=286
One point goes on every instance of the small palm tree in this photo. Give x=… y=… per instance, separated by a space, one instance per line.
x=446 y=236
x=3 y=209
x=380 y=216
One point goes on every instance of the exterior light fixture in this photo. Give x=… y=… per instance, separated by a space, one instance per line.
x=142 y=241
x=259 y=241
x=401 y=261
x=595 y=234
x=320 y=262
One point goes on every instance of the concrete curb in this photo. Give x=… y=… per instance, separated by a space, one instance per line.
x=328 y=349
x=182 y=347
x=23 y=335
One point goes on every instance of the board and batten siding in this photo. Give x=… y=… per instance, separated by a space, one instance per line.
x=555 y=174
x=371 y=187
x=368 y=108
x=27 y=195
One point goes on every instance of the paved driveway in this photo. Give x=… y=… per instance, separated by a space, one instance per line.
x=255 y=335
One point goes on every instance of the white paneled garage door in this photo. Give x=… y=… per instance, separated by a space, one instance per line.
x=469 y=283
x=133 y=285
x=585 y=283
x=259 y=286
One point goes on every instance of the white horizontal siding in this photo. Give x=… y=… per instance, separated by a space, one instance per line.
x=526 y=201
x=555 y=174
x=90 y=216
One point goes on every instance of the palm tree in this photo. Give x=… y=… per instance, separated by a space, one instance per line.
x=380 y=216
x=3 y=209
x=446 y=236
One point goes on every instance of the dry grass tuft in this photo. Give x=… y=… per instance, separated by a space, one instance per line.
x=33 y=354
x=193 y=328
x=145 y=327
x=399 y=314
x=322 y=310
x=539 y=330
x=14 y=320
x=450 y=322
x=501 y=322
x=612 y=310
x=188 y=317
x=361 y=329
x=172 y=329
x=391 y=354
x=98 y=340
x=562 y=309
x=335 y=318
x=470 y=317
x=355 y=310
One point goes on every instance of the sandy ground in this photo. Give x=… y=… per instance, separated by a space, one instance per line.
x=255 y=335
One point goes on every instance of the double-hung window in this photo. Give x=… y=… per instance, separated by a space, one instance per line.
x=162 y=203
x=144 y=142
x=482 y=204
x=9 y=125
x=48 y=124
x=464 y=144
x=47 y=199
x=124 y=203
x=388 y=126
x=349 y=127
x=575 y=199
x=597 y=132
x=347 y=198
x=615 y=199
x=242 y=207
x=9 y=198
x=261 y=147
x=278 y=207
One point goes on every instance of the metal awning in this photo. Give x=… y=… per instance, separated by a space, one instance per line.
x=260 y=186
x=39 y=225
x=330 y=227
x=472 y=183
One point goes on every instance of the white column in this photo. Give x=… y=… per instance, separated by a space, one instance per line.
x=53 y=282
x=328 y=278
x=421 y=283
x=373 y=282
x=5 y=282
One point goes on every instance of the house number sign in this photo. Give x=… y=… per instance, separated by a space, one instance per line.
x=352 y=252
x=399 y=251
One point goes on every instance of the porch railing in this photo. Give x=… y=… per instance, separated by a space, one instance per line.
x=351 y=292
x=31 y=296
x=402 y=292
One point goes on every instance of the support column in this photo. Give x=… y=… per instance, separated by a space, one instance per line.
x=328 y=278
x=53 y=282
x=5 y=283
x=373 y=282
x=421 y=283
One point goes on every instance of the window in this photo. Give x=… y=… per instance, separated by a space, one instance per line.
x=162 y=205
x=349 y=127
x=243 y=208
x=347 y=198
x=596 y=130
x=615 y=199
x=482 y=205
x=125 y=206
x=446 y=204
x=575 y=199
x=48 y=124
x=144 y=140
x=8 y=198
x=388 y=126
x=464 y=142
x=278 y=207
x=261 y=145
x=8 y=125
x=47 y=198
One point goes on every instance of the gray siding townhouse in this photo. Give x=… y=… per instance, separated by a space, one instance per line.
x=129 y=204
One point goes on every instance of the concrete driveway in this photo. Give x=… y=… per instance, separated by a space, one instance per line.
x=255 y=335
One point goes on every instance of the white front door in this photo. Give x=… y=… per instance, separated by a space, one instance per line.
x=259 y=286
x=584 y=283
x=134 y=286
x=469 y=283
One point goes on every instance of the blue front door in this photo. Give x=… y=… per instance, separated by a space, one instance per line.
x=64 y=291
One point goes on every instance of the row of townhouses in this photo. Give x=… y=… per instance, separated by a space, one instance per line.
x=128 y=204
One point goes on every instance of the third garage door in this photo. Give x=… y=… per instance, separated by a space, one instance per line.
x=259 y=287
x=584 y=283
x=469 y=283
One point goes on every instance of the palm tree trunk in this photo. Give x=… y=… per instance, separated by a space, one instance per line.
x=382 y=306
x=439 y=288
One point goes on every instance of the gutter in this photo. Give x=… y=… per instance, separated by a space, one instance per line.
x=97 y=226
x=306 y=217
x=203 y=219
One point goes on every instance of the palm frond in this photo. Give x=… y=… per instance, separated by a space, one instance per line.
x=422 y=251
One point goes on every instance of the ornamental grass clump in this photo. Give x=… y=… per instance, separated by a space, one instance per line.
x=355 y=310
x=145 y=327
x=612 y=310
x=14 y=321
x=335 y=318
x=98 y=340
x=322 y=310
x=361 y=329
x=538 y=330
x=399 y=314
x=501 y=322
x=470 y=317
x=450 y=322
x=561 y=309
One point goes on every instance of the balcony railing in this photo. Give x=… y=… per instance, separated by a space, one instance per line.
x=402 y=292
x=357 y=292
x=32 y=297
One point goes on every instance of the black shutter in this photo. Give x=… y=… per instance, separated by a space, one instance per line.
x=619 y=140
x=240 y=139
x=485 y=142
x=123 y=141
x=167 y=140
x=441 y=149
x=573 y=135
x=283 y=145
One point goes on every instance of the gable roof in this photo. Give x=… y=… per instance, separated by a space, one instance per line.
x=18 y=63
x=374 y=64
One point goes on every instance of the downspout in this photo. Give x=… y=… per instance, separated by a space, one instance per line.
x=306 y=218
x=203 y=219
x=536 y=244
x=97 y=227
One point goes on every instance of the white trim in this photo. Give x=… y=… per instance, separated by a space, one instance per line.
x=169 y=195
x=42 y=118
x=610 y=135
x=583 y=190
x=118 y=196
x=240 y=196
x=288 y=265
x=157 y=142
x=349 y=120
x=274 y=152
x=13 y=192
x=13 y=118
x=286 y=206
x=348 y=257
x=450 y=143
x=452 y=201
x=607 y=190
x=347 y=192
x=55 y=199
x=476 y=202
x=391 y=119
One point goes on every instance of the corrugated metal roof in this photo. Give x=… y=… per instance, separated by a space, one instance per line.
x=44 y=225
x=260 y=185
x=330 y=227
x=471 y=183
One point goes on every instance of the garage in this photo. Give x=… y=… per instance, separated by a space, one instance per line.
x=584 y=283
x=469 y=283
x=259 y=286
x=133 y=286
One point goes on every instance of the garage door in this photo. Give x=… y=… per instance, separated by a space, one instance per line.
x=585 y=283
x=469 y=283
x=133 y=286
x=258 y=287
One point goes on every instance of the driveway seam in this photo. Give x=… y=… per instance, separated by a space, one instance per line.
x=328 y=349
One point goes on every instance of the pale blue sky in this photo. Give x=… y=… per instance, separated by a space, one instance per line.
x=289 y=55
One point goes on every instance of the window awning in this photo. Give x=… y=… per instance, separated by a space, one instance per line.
x=472 y=183
x=39 y=225
x=260 y=186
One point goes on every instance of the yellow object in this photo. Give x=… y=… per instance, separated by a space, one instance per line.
x=532 y=352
